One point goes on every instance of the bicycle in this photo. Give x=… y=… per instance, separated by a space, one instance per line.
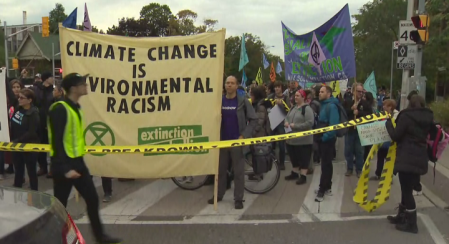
x=252 y=181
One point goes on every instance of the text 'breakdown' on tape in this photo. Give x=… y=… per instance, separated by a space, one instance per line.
x=386 y=179
x=26 y=147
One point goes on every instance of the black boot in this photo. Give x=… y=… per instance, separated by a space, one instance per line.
x=400 y=217
x=410 y=223
x=302 y=180
x=292 y=176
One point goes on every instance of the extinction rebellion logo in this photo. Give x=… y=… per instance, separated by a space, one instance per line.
x=166 y=135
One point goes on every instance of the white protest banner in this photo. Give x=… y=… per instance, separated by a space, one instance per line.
x=373 y=133
x=4 y=124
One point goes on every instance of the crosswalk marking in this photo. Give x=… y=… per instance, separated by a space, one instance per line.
x=332 y=204
x=226 y=211
x=133 y=204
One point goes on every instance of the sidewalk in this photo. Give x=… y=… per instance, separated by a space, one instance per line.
x=437 y=192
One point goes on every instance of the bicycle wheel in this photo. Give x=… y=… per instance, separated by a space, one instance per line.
x=260 y=184
x=195 y=183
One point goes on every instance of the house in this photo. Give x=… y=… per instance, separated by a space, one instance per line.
x=35 y=54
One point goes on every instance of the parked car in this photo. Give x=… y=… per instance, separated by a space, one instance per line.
x=31 y=217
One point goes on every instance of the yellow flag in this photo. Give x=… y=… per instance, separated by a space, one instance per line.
x=259 y=77
x=335 y=85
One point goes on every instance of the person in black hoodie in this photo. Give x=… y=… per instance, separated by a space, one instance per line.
x=24 y=124
x=413 y=124
x=44 y=98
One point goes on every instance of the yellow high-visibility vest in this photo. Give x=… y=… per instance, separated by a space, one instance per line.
x=74 y=142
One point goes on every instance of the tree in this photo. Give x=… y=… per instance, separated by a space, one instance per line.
x=186 y=22
x=436 y=51
x=56 y=16
x=376 y=27
x=155 y=18
x=81 y=27
x=128 y=27
x=208 y=26
x=254 y=48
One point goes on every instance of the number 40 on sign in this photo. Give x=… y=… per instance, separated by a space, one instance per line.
x=405 y=27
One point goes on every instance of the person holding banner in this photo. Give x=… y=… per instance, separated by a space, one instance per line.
x=66 y=137
x=238 y=120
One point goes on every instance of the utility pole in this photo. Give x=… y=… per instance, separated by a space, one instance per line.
x=406 y=73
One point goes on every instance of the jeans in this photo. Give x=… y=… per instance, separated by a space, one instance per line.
x=279 y=131
x=327 y=169
x=107 y=185
x=408 y=181
x=22 y=160
x=353 y=147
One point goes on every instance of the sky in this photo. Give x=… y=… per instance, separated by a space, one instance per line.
x=261 y=18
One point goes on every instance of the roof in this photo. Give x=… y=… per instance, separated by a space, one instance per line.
x=44 y=44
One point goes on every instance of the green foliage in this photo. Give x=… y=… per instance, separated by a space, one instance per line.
x=81 y=27
x=376 y=27
x=56 y=16
x=441 y=112
x=254 y=48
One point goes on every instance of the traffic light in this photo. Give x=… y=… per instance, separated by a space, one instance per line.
x=45 y=27
x=15 y=63
x=421 y=23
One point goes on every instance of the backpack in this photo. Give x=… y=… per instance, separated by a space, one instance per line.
x=315 y=120
x=262 y=158
x=316 y=112
x=437 y=141
x=343 y=118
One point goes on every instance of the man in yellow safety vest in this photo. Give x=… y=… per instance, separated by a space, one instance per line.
x=66 y=138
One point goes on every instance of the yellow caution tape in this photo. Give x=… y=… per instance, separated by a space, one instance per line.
x=386 y=179
x=27 y=147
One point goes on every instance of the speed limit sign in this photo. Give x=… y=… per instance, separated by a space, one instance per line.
x=405 y=27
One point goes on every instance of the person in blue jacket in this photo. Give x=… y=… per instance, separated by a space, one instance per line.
x=329 y=115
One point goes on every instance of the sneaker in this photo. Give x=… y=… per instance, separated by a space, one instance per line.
x=417 y=193
x=292 y=176
x=211 y=201
x=302 y=180
x=107 y=198
x=358 y=173
x=327 y=193
x=348 y=172
x=238 y=204
x=105 y=239
x=319 y=196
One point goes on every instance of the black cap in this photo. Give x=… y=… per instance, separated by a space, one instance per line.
x=73 y=79
x=46 y=75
